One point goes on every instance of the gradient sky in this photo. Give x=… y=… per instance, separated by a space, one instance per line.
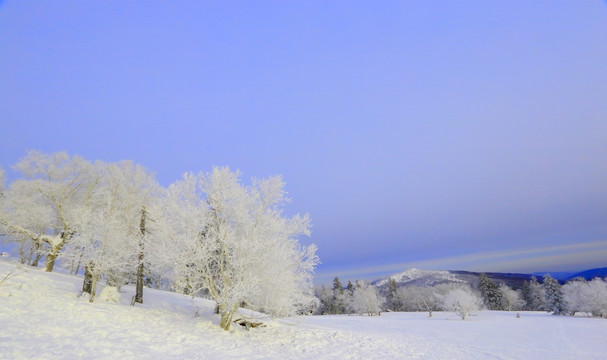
x=436 y=134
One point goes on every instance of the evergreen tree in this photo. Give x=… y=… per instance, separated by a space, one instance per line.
x=350 y=287
x=392 y=300
x=491 y=294
x=337 y=287
x=554 y=295
x=339 y=299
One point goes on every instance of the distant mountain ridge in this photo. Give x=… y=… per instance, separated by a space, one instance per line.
x=427 y=278
x=590 y=274
x=417 y=277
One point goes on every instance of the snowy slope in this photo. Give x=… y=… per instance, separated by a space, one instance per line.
x=42 y=317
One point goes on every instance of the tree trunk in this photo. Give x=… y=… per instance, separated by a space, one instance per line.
x=226 y=317
x=139 y=284
x=88 y=279
x=22 y=253
x=94 y=287
x=50 y=259
x=36 y=260
x=78 y=266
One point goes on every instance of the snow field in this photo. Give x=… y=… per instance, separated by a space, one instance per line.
x=42 y=317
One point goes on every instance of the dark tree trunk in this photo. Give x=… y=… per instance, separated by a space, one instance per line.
x=140 y=268
x=36 y=260
x=87 y=284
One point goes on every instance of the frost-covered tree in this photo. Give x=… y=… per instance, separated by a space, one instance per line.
x=554 y=295
x=365 y=300
x=589 y=297
x=417 y=298
x=336 y=299
x=512 y=299
x=21 y=204
x=112 y=226
x=534 y=295
x=462 y=301
x=232 y=242
x=43 y=207
x=325 y=296
x=402 y=299
x=340 y=300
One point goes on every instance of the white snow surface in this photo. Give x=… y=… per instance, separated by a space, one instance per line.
x=426 y=277
x=42 y=317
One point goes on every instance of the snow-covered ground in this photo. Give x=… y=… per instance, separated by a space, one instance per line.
x=42 y=317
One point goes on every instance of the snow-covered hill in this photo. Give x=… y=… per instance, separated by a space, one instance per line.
x=42 y=317
x=416 y=277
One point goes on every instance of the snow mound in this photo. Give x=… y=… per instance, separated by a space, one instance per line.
x=110 y=294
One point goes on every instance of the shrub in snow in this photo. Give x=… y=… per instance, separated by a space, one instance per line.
x=462 y=301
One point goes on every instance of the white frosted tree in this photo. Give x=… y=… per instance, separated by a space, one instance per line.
x=110 y=240
x=365 y=300
x=418 y=298
x=462 y=301
x=233 y=242
x=402 y=299
x=43 y=207
x=512 y=299
x=534 y=295
x=325 y=296
x=22 y=204
x=589 y=297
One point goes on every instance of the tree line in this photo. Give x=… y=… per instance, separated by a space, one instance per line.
x=206 y=234
x=576 y=296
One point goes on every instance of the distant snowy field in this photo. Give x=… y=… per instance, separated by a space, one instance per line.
x=42 y=317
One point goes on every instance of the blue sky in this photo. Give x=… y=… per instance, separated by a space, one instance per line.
x=437 y=134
